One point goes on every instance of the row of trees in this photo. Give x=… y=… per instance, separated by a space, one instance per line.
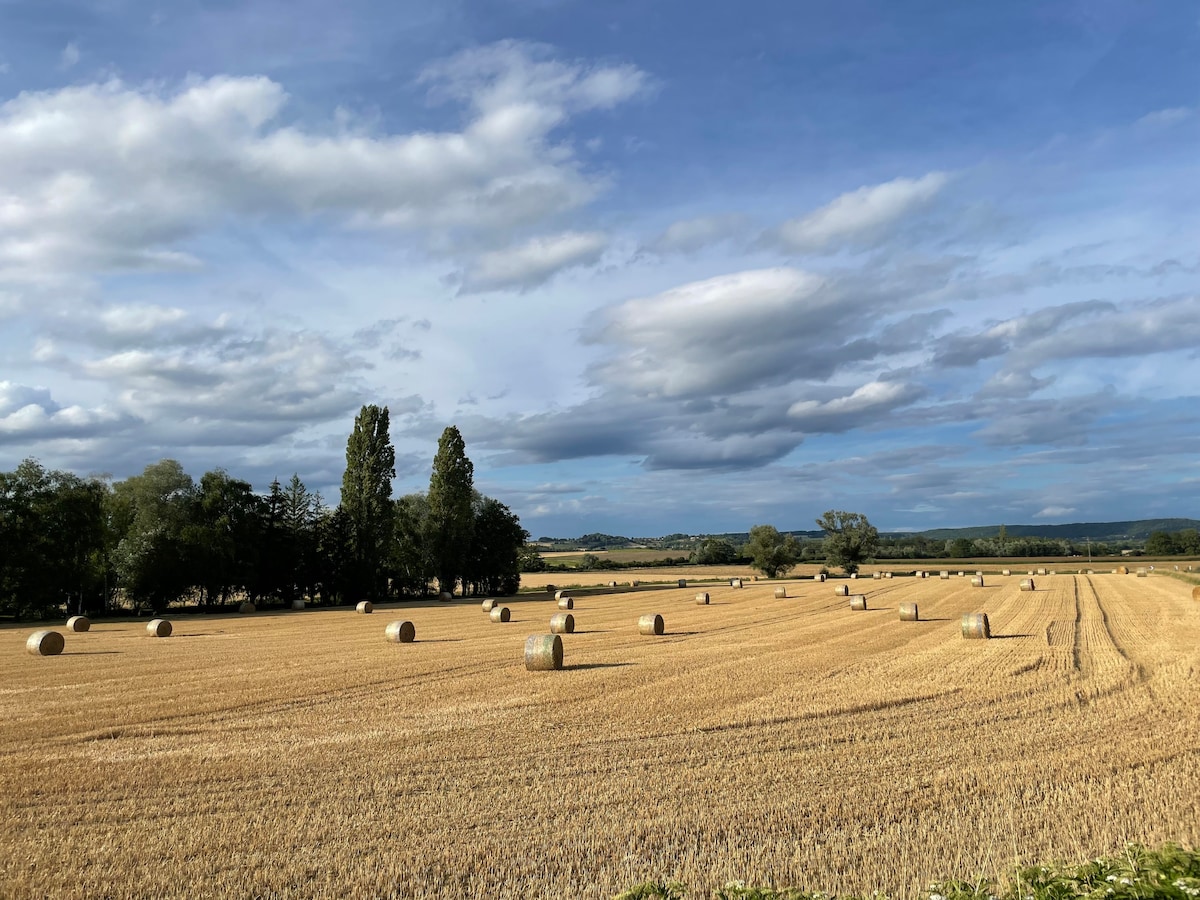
x=1178 y=543
x=850 y=540
x=85 y=545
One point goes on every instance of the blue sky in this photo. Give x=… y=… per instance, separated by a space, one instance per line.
x=668 y=266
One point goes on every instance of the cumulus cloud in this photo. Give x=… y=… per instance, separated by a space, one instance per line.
x=30 y=414
x=860 y=218
x=723 y=334
x=863 y=405
x=534 y=262
x=112 y=176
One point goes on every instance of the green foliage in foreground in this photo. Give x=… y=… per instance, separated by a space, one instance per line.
x=1167 y=873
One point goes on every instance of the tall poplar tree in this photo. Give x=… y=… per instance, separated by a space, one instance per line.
x=367 y=499
x=450 y=522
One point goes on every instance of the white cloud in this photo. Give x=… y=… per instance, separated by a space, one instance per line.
x=690 y=235
x=860 y=217
x=535 y=262
x=1054 y=512
x=1164 y=118
x=111 y=176
x=864 y=403
x=69 y=56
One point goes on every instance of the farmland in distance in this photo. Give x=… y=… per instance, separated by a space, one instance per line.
x=781 y=741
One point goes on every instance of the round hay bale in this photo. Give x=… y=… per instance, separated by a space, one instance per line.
x=1006 y=572
x=401 y=632
x=1051 y=572
x=612 y=584
x=364 y=607
x=976 y=581
x=79 y=623
x=634 y=583
x=683 y=582
x=909 y=613
x=780 y=593
x=735 y=582
x=702 y=599
x=297 y=604
x=566 y=603
x=490 y=603
x=887 y=574
x=754 y=578
x=962 y=574
x=841 y=590
x=650 y=624
x=543 y=653
x=1027 y=584
x=558 y=595
x=158 y=628
x=820 y=576
x=975 y=625
x=246 y=608
x=1091 y=571
x=943 y=574
x=45 y=643
x=500 y=614
x=858 y=602
x=854 y=575
x=1141 y=572
x=1122 y=570
x=1196 y=592
x=1042 y=572
x=562 y=623
x=445 y=597
x=877 y=575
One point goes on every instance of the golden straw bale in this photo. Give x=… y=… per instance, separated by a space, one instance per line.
x=158 y=628
x=45 y=643
x=500 y=614
x=364 y=607
x=858 y=601
x=909 y=613
x=246 y=608
x=543 y=653
x=841 y=590
x=401 y=632
x=79 y=623
x=650 y=624
x=975 y=625
x=702 y=599
x=1027 y=584
x=780 y=593
x=562 y=623
x=566 y=603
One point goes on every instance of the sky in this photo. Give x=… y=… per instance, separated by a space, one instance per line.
x=668 y=266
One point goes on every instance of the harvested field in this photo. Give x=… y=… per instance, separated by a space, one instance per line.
x=784 y=741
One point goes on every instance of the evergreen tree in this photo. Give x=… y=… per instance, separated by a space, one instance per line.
x=367 y=499
x=450 y=522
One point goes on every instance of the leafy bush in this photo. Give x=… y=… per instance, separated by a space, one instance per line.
x=1170 y=872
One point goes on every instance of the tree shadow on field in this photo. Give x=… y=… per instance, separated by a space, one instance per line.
x=579 y=667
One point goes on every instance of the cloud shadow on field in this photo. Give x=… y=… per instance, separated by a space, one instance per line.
x=579 y=667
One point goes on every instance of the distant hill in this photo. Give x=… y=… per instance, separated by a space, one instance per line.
x=1137 y=530
x=1111 y=532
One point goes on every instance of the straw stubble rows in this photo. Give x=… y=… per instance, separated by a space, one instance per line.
x=786 y=741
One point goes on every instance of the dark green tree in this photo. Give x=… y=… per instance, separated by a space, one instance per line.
x=451 y=518
x=224 y=537
x=714 y=552
x=149 y=514
x=494 y=562
x=770 y=552
x=411 y=562
x=367 y=500
x=1161 y=543
x=52 y=542
x=850 y=540
x=530 y=558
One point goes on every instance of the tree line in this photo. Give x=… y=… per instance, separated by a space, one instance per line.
x=73 y=545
